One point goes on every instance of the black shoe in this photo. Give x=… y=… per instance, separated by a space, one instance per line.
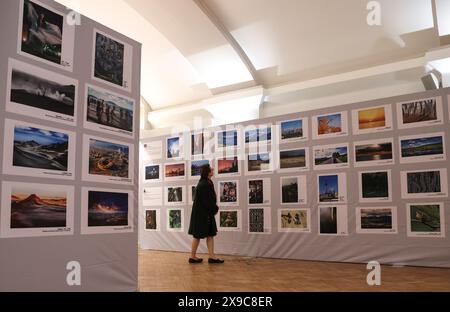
x=211 y=260
x=198 y=260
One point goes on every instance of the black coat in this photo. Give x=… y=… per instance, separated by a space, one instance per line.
x=203 y=223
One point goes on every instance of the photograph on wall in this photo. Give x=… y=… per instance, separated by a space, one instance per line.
x=294 y=220
x=39 y=93
x=152 y=173
x=105 y=211
x=333 y=220
x=197 y=143
x=195 y=168
x=152 y=151
x=421 y=148
x=108 y=112
x=376 y=220
x=191 y=189
x=45 y=35
x=152 y=220
x=259 y=163
x=112 y=61
x=259 y=220
x=174 y=148
x=175 y=195
x=258 y=135
x=294 y=130
x=227 y=166
x=228 y=193
x=330 y=125
x=375 y=186
x=293 y=160
x=227 y=139
x=229 y=220
x=152 y=196
x=420 y=113
x=33 y=210
x=378 y=152
x=372 y=120
x=428 y=183
x=331 y=157
x=293 y=190
x=425 y=220
x=332 y=188
x=175 y=171
x=259 y=191
x=36 y=151
x=107 y=161
x=175 y=220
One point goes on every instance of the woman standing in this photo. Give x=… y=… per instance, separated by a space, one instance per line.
x=203 y=223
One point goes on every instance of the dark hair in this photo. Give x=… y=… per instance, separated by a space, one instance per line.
x=204 y=171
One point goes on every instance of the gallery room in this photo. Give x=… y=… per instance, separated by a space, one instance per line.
x=209 y=146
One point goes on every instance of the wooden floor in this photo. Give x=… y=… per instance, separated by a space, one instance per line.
x=170 y=271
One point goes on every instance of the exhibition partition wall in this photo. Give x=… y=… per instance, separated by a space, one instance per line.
x=70 y=123
x=350 y=183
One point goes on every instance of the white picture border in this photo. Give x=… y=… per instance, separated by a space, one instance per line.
x=183 y=195
x=344 y=126
x=394 y=229
x=259 y=143
x=267 y=192
x=426 y=158
x=158 y=220
x=190 y=176
x=226 y=204
x=168 y=228
x=152 y=181
x=302 y=186
x=308 y=221
x=443 y=179
x=226 y=175
x=152 y=151
x=370 y=163
x=172 y=179
x=189 y=190
x=342 y=220
x=264 y=171
x=331 y=166
x=437 y=122
x=375 y=199
x=440 y=234
x=230 y=229
x=295 y=169
x=342 y=188
x=181 y=146
x=388 y=120
x=221 y=149
x=305 y=125
x=267 y=220
x=156 y=193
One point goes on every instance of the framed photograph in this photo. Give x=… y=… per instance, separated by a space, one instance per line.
x=152 y=196
x=293 y=190
x=39 y=93
x=372 y=119
x=175 y=220
x=422 y=148
x=175 y=195
x=175 y=171
x=294 y=130
x=259 y=191
x=227 y=139
x=152 y=151
x=333 y=156
x=45 y=35
x=375 y=186
x=376 y=220
x=259 y=220
x=378 y=152
x=109 y=112
x=37 y=151
x=420 y=113
x=256 y=136
x=107 y=161
x=227 y=166
x=112 y=61
x=195 y=168
x=330 y=125
x=152 y=220
x=191 y=190
x=35 y=210
x=294 y=220
x=228 y=193
x=333 y=220
x=152 y=173
x=259 y=163
x=293 y=160
x=229 y=220
x=332 y=188
x=197 y=143
x=106 y=211
x=174 y=148
x=425 y=220
x=430 y=183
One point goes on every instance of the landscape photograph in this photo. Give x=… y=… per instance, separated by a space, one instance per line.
x=107 y=109
x=108 y=159
x=328 y=188
x=425 y=218
x=227 y=165
x=175 y=219
x=376 y=218
x=256 y=191
x=107 y=209
x=291 y=129
x=40 y=149
x=109 y=59
x=228 y=219
x=375 y=184
x=293 y=159
x=258 y=135
x=175 y=170
x=175 y=194
x=425 y=146
x=423 y=182
x=371 y=152
x=42 y=93
x=372 y=118
x=294 y=219
x=259 y=162
x=197 y=143
x=33 y=207
x=329 y=124
x=152 y=172
x=332 y=155
x=419 y=111
x=228 y=192
x=227 y=138
x=173 y=147
x=328 y=220
x=196 y=166
x=289 y=190
x=150 y=220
